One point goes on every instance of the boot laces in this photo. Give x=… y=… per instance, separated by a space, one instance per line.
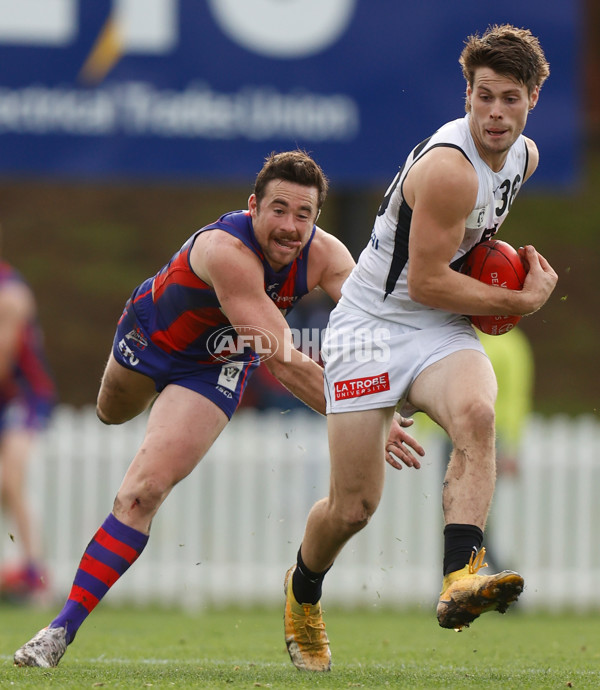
x=476 y=561
x=312 y=626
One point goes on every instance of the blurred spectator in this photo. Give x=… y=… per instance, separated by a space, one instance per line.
x=27 y=396
x=512 y=358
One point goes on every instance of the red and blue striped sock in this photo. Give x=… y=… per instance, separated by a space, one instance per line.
x=114 y=547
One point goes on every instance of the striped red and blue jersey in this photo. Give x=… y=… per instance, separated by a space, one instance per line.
x=30 y=376
x=180 y=312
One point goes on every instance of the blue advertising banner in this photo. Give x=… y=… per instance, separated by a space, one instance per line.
x=204 y=89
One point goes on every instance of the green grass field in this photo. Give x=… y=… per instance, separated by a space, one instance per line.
x=137 y=648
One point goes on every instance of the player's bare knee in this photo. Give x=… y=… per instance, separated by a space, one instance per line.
x=102 y=417
x=109 y=420
x=102 y=407
x=143 y=499
x=354 y=517
x=476 y=422
x=108 y=416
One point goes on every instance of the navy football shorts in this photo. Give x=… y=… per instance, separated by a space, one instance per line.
x=223 y=383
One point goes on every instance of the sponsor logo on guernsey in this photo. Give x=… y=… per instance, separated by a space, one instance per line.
x=476 y=220
x=138 y=338
x=282 y=302
x=356 y=388
x=127 y=353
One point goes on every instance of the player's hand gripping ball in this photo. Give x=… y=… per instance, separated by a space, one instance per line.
x=496 y=263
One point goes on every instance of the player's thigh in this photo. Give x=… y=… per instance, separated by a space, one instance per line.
x=452 y=386
x=357 y=450
x=182 y=426
x=123 y=393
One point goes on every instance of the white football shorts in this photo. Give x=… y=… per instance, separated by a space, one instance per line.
x=371 y=364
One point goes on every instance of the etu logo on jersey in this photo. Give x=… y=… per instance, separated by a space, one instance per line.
x=138 y=340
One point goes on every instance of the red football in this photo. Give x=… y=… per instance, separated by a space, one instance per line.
x=496 y=263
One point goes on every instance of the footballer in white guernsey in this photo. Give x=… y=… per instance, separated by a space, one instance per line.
x=454 y=190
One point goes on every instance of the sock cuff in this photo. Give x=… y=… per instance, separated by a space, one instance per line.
x=459 y=543
x=454 y=529
x=130 y=536
x=309 y=574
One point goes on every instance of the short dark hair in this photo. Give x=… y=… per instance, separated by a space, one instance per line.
x=512 y=52
x=292 y=166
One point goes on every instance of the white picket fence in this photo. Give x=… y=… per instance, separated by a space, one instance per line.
x=227 y=533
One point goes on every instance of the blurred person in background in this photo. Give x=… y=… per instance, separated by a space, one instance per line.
x=513 y=361
x=511 y=356
x=186 y=344
x=27 y=397
x=454 y=190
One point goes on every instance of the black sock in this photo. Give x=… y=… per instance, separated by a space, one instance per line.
x=306 y=585
x=459 y=543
